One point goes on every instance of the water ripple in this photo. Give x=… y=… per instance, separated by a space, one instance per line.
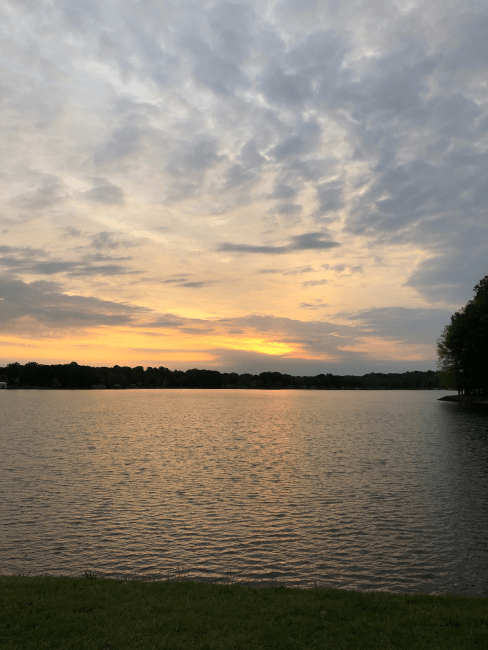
x=350 y=489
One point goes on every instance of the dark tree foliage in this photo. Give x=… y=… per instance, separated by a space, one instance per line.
x=462 y=347
x=72 y=375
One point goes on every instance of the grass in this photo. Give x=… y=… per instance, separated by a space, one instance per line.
x=96 y=613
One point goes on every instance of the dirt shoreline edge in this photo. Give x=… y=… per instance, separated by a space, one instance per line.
x=471 y=400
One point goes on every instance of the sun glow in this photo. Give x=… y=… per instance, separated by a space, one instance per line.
x=261 y=345
x=119 y=345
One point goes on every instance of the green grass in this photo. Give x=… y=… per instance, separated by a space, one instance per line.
x=89 y=613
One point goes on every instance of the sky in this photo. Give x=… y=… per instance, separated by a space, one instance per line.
x=293 y=186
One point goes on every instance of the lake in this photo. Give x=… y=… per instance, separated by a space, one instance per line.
x=365 y=490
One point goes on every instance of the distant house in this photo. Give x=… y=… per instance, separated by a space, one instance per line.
x=3 y=384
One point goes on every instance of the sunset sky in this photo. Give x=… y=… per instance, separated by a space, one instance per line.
x=286 y=185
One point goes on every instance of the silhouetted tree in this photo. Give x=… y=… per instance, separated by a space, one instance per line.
x=462 y=348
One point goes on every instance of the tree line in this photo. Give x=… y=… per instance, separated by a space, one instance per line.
x=462 y=347
x=73 y=375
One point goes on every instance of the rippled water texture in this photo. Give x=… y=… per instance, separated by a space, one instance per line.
x=382 y=490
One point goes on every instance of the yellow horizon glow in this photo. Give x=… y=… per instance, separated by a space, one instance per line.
x=119 y=346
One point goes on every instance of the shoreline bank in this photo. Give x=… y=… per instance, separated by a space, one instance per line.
x=94 y=612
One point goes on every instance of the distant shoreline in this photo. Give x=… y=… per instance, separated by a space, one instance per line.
x=236 y=387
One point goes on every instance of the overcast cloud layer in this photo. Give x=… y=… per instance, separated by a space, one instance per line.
x=289 y=185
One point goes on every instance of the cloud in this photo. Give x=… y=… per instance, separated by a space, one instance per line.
x=451 y=276
x=195 y=285
x=22 y=260
x=183 y=280
x=298 y=270
x=125 y=142
x=308 y=71
x=48 y=306
x=104 y=240
x=246 y=248
x=46 y=196
x=269 y=271
x=312 y=241
x=21 y=251
x=218 y=46
x=314 y=306
x=284 y=191
x=410 y=325
x=343 y=268
x=107 y=194
x=304 y=142
x=195 y=156
x=304 y=242
x=171 y=321
x=330 y=197
x=70 y=232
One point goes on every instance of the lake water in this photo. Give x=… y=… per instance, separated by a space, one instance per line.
x=365 y=490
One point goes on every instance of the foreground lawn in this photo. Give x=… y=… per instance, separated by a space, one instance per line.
x=88 y=613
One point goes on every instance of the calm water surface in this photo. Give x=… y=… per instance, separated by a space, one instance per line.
x=366 y=490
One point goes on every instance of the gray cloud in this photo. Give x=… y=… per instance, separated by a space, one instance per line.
x=107 y=194
x=343 y=268
x=299 y=270
x=288 y=210
x=247 y=248
x=330 y=197
x=87 y=270
x=104 y=240
x=183 y=280
x=245 y=171
x=81 y=14
x=124 y=142
x=450 y=276
x=176 y=279
x=195 y=156
x=188 y=161
x=46 y=304
x=71 y=233
x=23 y=260
x=218 y=46
x=314 y=306
x=21 y=251
x=307 y=241
x=284 y=191
x=312 y=241
x=195 y=285
x=409 y=325
x=46 y=196
x=309 y=70
x=304 y=142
